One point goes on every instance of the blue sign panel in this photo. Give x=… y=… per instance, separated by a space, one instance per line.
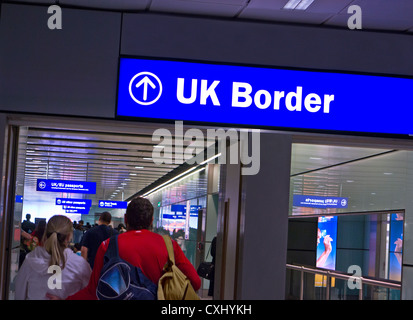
x=73 y=202
x=194 y=211
x=320 y=202
x=66 y=186
x=264 y=97
x=19 y=198
x=178 y=215
x=182 y=208
x=113 y=204
x=178 y=208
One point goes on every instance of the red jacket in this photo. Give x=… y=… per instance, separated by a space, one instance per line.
x=144 y=249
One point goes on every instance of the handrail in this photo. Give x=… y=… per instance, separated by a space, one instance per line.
x=329 y=273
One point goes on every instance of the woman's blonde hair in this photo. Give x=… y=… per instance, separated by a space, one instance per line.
x=55 y=238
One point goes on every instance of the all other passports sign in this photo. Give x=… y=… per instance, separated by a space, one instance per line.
x=264 y=97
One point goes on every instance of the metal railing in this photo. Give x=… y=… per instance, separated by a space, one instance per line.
x=331 y=274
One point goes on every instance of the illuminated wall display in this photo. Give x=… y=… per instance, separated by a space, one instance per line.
x=264 y=97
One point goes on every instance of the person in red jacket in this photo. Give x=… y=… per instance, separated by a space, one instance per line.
x=140 y=247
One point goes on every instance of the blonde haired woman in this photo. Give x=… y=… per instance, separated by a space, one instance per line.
x=53 y=268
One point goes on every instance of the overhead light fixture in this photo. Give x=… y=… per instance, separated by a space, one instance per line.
x=132 y=174
x=212 y=158
x=174 y=180
x=139 y=167
x=315 y=158
x=146 y=158
x=304 y=4
x=298 y=4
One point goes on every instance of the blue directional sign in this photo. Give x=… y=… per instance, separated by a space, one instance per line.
x=113 y=204
x=178 y=215
x=264 y=97
x=320 y=202
x=178 y=208
x=66 y=186
x=74 y=202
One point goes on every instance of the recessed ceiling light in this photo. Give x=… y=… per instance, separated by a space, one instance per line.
x=298 y=4
x=315 y=158
x=146 y=158
x=387 y=173
x=291 y=4
x=138 y=167
x=350 y=181
x=304 y=4
x=132 y=174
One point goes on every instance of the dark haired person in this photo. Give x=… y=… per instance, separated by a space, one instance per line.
x=140 y=247
x=95 y=236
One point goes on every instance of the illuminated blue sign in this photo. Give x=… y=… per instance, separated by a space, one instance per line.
x=73 y=202
x=113 y=204
x=66 y=186
x=320 y=202
x=264 y=97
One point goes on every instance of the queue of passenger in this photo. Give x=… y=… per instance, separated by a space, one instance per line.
x=80 y=263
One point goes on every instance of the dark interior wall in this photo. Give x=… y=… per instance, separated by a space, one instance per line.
x=72 y=71
x=266 y=44
x=302 y=244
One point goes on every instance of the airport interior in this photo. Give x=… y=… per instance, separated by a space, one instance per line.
x=321 y=208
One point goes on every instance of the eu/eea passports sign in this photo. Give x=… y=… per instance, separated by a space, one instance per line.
x=320 y=202
x=264 y=97
x=73 y=202
x=67 y=186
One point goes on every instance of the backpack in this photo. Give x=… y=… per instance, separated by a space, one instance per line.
x=174 y=284
x=119 y=280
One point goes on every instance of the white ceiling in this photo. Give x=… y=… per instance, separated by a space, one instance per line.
x=121 y=164
x=388 y=15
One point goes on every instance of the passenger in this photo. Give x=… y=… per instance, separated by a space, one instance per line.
x=38 y=232
x=121 y=228
x=33 y=280
x=27 y=225
x=140 y=247
x=77 y=233
x=95 y=236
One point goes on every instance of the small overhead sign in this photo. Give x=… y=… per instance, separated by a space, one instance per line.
x=67 y=186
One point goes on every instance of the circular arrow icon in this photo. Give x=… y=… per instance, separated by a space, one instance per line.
x=145 y=88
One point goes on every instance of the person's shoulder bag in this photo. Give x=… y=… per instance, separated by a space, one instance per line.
x=174 y=284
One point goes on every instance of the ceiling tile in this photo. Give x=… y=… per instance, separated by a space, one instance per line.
x=226 y=9
x=109 y=4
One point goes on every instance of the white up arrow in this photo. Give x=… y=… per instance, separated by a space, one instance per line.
x=145 y=82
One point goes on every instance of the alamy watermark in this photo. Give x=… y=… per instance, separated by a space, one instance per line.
x=243 y=146
x=55 y=20
x=354 y=282
x=354 y=21
x=55 y=280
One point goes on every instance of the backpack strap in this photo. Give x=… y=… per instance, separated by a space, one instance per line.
x=112 y=251
x=169 y=247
